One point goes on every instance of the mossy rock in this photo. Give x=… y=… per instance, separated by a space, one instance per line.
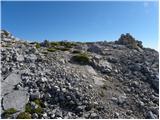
x=9 y=112
x=24 y=115
x=81 y=58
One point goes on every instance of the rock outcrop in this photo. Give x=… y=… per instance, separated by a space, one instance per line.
x=42 y=80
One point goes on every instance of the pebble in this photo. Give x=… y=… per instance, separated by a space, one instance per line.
x=94 y=116
x=151 y=115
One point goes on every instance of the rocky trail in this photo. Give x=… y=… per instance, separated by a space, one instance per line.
x=53 y=80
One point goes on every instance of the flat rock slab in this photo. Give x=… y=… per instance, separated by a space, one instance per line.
x=16 y=99
x=98 y=81
x=7 y=85
x=6 y=88
x=13 y=79
x=91 y=70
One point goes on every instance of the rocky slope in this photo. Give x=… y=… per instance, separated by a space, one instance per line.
x=78 y=80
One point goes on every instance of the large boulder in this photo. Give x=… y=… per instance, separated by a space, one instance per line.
x=15 y=99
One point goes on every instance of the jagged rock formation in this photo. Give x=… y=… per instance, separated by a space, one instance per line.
x=78 y=80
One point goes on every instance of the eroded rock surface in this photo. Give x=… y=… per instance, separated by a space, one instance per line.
x=119 y=79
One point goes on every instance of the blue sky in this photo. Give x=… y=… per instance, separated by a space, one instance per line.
x=82 y=21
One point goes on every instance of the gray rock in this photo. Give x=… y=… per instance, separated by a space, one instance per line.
x=91 y=70
x=150 y=115
x=141 y=103
x=112 y=60
x=103 y=65
x=35 y=115
x=94 y=116
x=34 y=105
x=9 y=83
x=6 y=88
x=58 y=113
x=30 y=58
x=116 y=115
x=35 y=95
x=17 y=87
x=13 y=79
x=95 y=48
x=80 y=109
x=81 y=47
x=98 y=80
x=155 y=82
x=15 y=99
x=121 y=99
x=44 y=79
x=45 y=116
x=20 y=58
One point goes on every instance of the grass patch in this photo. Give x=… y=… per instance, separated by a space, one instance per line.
x=81 y=58
x=24 y=115
x=51 y=50
x=9 y=112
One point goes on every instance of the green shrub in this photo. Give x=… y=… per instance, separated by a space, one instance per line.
x=53 y=44
x=76 y=51
x=38 y=110
x=81 y=58
x=9 y=112
x=63 y=49
x=39 y=102
x=37 y=45
x=28 y=108
x=67 y=44
x=51 y=49
x=24 y=115
x=44 y=52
